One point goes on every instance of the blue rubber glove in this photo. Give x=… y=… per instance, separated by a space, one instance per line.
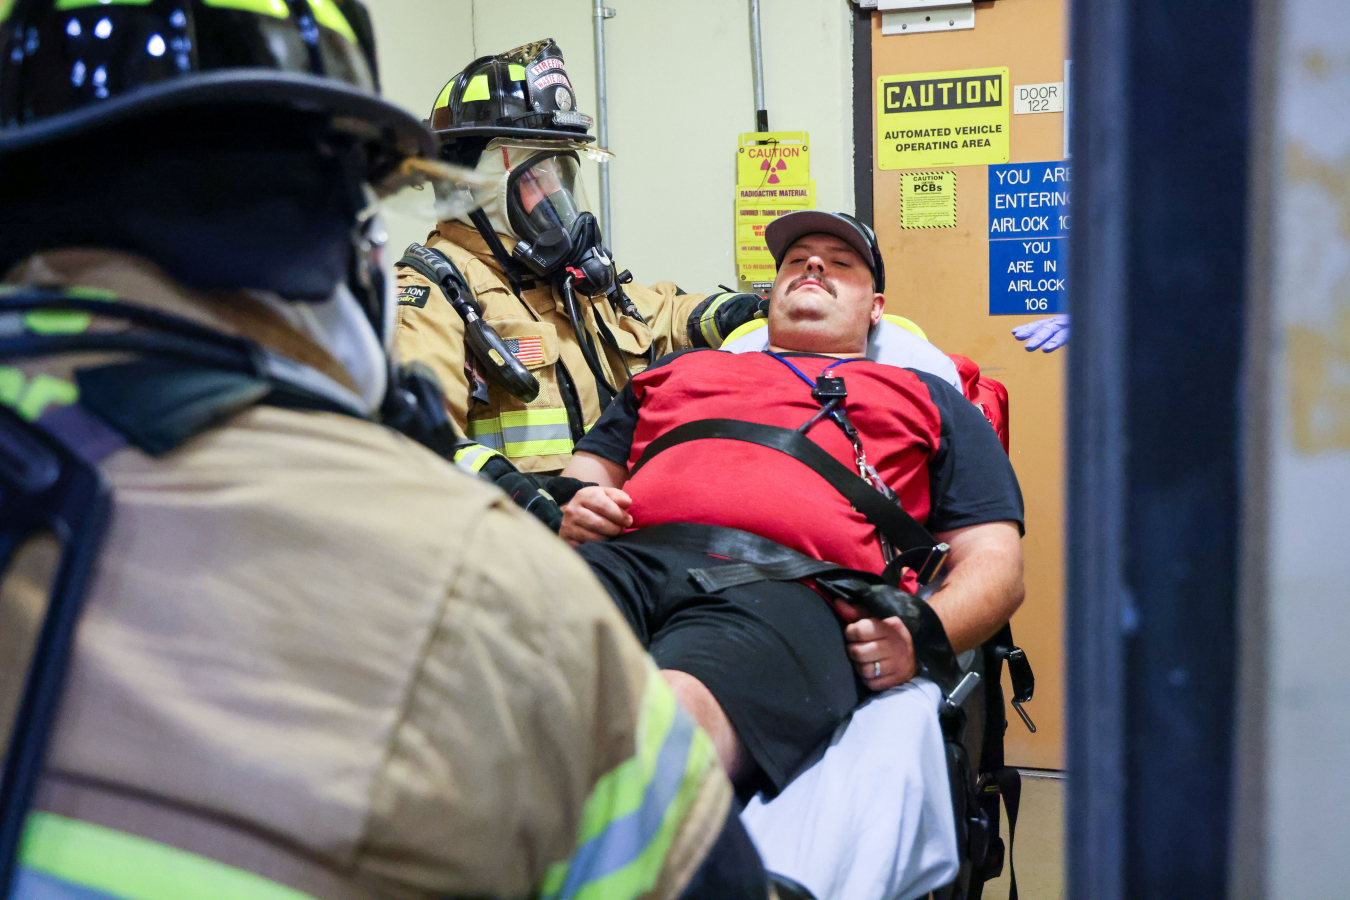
x=1046 y=334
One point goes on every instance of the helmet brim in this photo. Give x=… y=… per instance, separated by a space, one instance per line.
x=533 y=134
x=399 y=129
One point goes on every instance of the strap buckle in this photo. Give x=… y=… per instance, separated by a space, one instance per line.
x=932 y=564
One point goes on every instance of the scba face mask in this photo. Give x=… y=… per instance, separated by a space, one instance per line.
x=540 y=200
x=546 y=206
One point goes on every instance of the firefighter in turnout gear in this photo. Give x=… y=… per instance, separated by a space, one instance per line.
x=314 y=660
x=534 y=265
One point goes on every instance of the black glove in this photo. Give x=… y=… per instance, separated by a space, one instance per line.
x=721 y=314
x=524 y=489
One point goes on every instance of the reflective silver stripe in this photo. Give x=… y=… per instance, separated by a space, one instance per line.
x=487 y=432
x=473 y=457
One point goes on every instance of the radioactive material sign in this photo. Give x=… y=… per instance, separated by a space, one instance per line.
x=755 y=209
x=928 y=200
x=798 y=196
x=934 y=119
x=770 y=158
x=773 y=178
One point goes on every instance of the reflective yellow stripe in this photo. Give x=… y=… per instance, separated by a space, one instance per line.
x=525 y=432
x=30 y=399
x=487 y=432
x=134 y=868
x=535 y=432
x=473 y=457
x=633 y=813
x=277 y=9
x=477 y=89
x=6 y=6
x=11 y=385
x=56 y=321
x=444 y=99
x=66 y=321
x=79 y=292
x=516 y=73
x=328 y=15
x=80 y=4
x=707 y=325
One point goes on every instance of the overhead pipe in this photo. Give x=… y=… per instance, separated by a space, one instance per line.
x=600 y=14
x=757 y=64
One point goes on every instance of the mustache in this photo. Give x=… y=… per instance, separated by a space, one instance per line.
x=824 y=282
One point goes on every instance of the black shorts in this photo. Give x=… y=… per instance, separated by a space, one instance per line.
x=772 y=653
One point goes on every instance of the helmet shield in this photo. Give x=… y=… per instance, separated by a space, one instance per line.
x=431 y=190
x=545 y=193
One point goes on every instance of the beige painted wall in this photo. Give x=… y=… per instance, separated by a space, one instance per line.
x=680 y=92
x=940 y=278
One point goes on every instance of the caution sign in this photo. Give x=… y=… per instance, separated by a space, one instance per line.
x=928 y=200
x=755 y=209
x=770 y=158
x=773 y=178
x=942 y=119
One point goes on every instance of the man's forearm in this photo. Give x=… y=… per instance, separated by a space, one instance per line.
x=596 y=470
x=983 y=587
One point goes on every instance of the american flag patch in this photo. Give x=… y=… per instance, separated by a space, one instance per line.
x=529 y=350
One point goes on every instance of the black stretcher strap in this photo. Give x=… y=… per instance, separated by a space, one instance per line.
x=919 y=550
x=1009 y=782
x=760 y=559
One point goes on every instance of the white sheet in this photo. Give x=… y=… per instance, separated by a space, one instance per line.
x=873 y=819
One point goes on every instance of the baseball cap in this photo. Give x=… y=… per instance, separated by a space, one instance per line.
x=786 y=230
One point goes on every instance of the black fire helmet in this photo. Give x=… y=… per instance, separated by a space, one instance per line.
x=524 y=93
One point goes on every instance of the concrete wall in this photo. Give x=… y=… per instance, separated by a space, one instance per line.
x=680 y=92
x=1293 y=797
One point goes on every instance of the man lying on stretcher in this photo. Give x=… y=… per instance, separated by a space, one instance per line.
x=766 y=663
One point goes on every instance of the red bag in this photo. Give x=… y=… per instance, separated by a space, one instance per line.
x=988 y=395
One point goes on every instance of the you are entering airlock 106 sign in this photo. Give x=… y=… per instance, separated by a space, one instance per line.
x=939 y=119
x=1028 y=234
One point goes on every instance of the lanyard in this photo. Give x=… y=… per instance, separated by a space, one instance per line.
x=829 y=391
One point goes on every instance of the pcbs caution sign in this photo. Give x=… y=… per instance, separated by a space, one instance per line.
x=928 y=200
x=942 y=119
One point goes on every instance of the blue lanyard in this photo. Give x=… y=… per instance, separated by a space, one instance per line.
x=833 y=408
x=802 y=375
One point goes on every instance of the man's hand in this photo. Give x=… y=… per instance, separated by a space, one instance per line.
x=595 y=513
x=872 y=641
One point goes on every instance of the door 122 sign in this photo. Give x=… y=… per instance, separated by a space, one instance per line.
x=937 y=119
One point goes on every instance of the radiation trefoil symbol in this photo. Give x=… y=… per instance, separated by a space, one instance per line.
x=772 y=169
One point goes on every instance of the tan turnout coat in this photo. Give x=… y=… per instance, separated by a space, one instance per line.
x=316 y=651
x=534 y=435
